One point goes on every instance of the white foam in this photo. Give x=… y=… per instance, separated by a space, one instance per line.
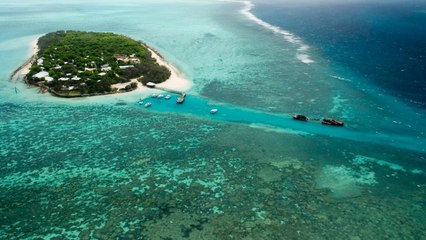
x=304 y=58
x=302 y=49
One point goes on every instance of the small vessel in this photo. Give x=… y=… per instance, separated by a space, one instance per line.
x=148 y=104
x=213 y=111
x=300 y=117
x=332 y=122
x=181 y=99
x=154 y=95
x=160 y=96
x=140 y=102
x=167 y=97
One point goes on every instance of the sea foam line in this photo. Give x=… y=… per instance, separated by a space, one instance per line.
x=288 y=36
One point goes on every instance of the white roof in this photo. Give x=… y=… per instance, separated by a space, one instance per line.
x=150 y=84
x=126 y=66
x=63 y=79
x=102 y=74
x=41 y=74
x=75 y=78
x=49 y=79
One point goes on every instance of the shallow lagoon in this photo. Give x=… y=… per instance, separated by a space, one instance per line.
x=108 y=168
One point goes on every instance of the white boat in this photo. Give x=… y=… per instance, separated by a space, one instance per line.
x=154 y=95
x=167 y=97
x=148 y=104
x=160 y=96
x=213 y=111
x=140 y=102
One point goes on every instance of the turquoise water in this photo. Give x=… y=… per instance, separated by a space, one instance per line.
x=107 y=168
x=201 y=107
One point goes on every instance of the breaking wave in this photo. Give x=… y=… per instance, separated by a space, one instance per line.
x=302 y=49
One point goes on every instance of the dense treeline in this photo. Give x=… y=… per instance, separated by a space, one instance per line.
x=89 y=62
x=152 y=72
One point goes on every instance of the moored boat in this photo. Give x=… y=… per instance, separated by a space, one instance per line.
x=148 y=104
x=154 y=95
x=181 y=99
x=300 y=117
x=167 y=97
x=213 y=111
x=332 y=122
x=160 y=96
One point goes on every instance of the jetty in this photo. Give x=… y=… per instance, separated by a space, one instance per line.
x=169 y=90
x=180 y=99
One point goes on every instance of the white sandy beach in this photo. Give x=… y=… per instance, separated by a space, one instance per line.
x=176 y=82
x=26 y=68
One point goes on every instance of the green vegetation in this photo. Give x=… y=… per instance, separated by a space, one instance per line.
x=82 y=63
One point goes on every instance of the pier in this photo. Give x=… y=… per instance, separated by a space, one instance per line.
x=169 y=90
x=180 y=100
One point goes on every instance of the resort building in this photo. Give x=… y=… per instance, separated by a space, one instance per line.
x=42 y=74
x=126 y=66
x=49 y=79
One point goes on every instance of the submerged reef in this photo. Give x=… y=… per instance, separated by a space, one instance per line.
x=165 y=176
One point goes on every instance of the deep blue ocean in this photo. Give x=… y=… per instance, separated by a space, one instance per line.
x=382 y=42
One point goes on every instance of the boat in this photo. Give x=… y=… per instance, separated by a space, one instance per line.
x=140 y=102
x=213 y=111
x=148 y=104
x=167 y=97
x=181 y=99
x=160 y=96
x=154 y=95
x=300 y=117
x=332 y=122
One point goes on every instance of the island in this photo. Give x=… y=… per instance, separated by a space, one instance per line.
x=78 y=64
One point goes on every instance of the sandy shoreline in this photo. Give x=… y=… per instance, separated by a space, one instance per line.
x=176 y=81
x=25 y=68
